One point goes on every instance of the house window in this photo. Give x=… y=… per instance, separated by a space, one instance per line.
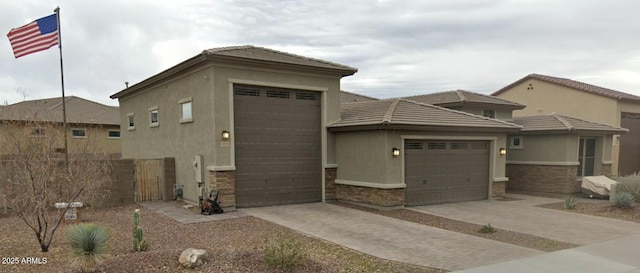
x=78 y=133
x=586 y=156
x=113 y=134
x=489 y=113
x=153 y=117
x=131 y=121
x=515 y=142
x=186 y=110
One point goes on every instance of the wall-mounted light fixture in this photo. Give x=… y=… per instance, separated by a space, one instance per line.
x=395 y=151
x=226 y=135
x=503 y=151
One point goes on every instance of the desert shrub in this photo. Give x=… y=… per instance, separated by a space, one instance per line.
x=88 y=244
x=283 y=252
x=623 y=200
x=570 y=202
x=487 y=229
x=631 y=185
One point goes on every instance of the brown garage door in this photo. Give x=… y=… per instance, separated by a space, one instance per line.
x=629 y=157
x=439 y=171
x=277 y=146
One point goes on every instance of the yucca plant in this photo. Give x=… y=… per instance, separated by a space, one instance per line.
x=570 y=202
x=623 y=200
x=89 y=245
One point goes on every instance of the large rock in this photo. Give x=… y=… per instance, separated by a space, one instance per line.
x=191 y=257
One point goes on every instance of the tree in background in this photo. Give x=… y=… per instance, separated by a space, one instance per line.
x=34 y=175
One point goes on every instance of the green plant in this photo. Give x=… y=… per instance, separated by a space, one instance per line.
x=570 y=202
x=623 y=200
x=630 y=184
x=88 y=244
x=487 y=229
x=284 y=252
x=139 y=244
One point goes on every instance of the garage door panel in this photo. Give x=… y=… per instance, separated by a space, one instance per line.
x=445 y=171
x=278 y=147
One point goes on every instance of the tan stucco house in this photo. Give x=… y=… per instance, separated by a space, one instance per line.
x=92 y=127
x=546 y=94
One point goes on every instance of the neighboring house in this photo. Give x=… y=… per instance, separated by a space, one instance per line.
x=398 y=152
x=347 y=97
x=553 y=152
x=470 y=102
x=545 y=94
x=251 y=120
x=90 y=124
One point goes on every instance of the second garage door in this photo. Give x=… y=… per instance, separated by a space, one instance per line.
x=277 y=146
x=439 y=171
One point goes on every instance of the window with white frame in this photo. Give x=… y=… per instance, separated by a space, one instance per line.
x=153 y=117
x=186 y=110
x=489 y=113
x=78 y=133
x=113 y=134
x=131 y=121
x=515 y=142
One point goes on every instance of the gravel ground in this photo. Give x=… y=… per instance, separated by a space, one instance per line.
x=505 y=236
x=234 y=245
x=603 y=209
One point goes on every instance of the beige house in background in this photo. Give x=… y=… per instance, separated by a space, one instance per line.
x=92 y=126
x=545 y=95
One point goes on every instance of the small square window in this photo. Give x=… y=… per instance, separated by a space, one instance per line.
x=113 y=134
x=489 y=113
x=78 y=133
x=515 y=142
x=131 y=121
x=153 y=117
x=186 y=110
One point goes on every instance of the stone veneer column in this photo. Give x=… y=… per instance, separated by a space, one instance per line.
x=371 y=196
x=543 y=178
x=498 y=188
x=330 y=175
x=225 y=183
x=605 y=169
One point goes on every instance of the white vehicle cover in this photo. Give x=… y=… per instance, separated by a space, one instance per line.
x=598 y=184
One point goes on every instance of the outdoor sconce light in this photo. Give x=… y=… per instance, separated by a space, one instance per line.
x=395 y=152
x=503 y=151
x=226 y=135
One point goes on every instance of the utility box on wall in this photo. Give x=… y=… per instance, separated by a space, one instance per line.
x=197 y=168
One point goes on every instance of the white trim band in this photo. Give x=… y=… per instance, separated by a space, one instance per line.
x=545 y=163
x=328 y=166
x=221 y=168
x=371 y=184
x=500 y=179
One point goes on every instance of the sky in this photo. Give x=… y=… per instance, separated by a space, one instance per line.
x=400 y=47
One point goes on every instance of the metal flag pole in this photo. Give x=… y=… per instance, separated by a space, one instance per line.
x=64 y=107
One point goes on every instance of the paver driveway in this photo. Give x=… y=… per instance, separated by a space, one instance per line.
x=523 y=216
x=390 y=238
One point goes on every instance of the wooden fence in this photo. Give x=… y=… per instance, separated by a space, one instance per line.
x=154 y=179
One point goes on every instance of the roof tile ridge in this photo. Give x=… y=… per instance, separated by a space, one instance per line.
x=66 y=99
x=562 y=120
x=386 y=119
x=462 y=97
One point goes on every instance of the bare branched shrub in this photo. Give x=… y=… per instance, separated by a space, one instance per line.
x=34 y=174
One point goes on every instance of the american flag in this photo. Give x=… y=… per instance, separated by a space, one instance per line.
x=36 y=36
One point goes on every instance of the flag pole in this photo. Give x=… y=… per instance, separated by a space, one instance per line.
x=64 y=107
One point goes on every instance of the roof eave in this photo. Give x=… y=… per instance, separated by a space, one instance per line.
x=416 y=127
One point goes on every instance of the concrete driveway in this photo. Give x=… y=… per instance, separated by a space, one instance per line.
x=390 y=238
x=523 y=216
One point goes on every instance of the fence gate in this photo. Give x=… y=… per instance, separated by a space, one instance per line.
x=148 y=180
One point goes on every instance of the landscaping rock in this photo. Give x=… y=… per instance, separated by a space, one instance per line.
x=192 y=257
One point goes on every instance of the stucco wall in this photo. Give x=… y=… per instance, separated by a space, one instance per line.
x=547 y=148
x=500 y=113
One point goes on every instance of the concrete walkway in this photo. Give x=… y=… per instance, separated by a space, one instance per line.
x=522 y=216
x=186 y=216
x=390 y=238
x=615 y=256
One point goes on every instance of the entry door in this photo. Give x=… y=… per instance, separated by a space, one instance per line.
x=586 y=156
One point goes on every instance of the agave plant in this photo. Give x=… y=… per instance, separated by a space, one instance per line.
x=89 y=245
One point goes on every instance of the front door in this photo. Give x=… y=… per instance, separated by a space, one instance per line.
x=586 y=156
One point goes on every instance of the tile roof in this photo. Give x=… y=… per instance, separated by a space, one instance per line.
x=271 y=55
x=402 y=112
x=561 y=123
x=462 y=97
x=575 y=85
x=347 y=97
x=79 y=110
